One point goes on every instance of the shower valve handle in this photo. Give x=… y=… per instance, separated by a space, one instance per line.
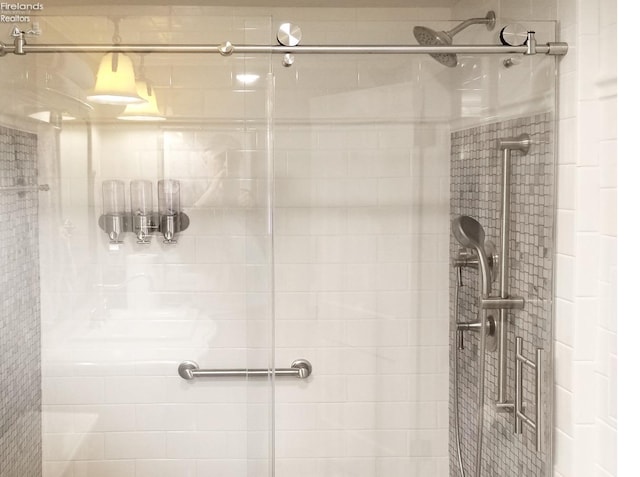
x=459 y=339
x=461 y=327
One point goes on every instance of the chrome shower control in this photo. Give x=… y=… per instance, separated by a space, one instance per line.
x=490 y=331
x=466 y=258
x=513 y=35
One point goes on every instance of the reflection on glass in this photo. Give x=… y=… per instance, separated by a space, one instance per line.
x=113 y=209
x=142 y=209
x=169 y=208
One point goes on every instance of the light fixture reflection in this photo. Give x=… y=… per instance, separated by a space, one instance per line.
x=115 y=81
x=44 y=116
x=247 y=78
x=147 y=111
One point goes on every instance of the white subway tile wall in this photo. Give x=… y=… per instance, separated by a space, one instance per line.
x=126 y=318
x=585 y=429
x=358 y=285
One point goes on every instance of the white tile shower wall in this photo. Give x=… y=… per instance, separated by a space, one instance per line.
x=20 y=374
x=361 y=204
x=360 y=235
x=586 y=314
x=361 y=209
x=121 y=320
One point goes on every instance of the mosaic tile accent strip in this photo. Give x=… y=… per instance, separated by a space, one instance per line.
x=20 y=394
x=476 y=166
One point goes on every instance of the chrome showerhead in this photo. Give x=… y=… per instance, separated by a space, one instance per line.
x=428 y=37
x=470 y=234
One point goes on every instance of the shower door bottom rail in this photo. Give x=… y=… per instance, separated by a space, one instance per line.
x=300 y=368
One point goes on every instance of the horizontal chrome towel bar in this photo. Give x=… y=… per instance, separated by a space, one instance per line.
x=300 y=368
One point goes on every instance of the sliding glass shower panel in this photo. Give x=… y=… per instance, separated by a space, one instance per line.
x=361 y=223
x=269 y=211
x=501 y=98
x=119 y=318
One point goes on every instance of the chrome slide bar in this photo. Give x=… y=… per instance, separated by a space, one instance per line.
x=520 y=143
x=518 y=411
x=300 y=368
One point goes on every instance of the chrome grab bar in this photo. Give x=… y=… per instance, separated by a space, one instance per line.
x=518 y=411
x=300 y=368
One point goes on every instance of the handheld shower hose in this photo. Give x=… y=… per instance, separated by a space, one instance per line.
x=470 y=233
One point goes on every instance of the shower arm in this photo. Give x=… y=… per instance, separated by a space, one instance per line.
x=20 y=47
x=489 y=20
x=465 y=24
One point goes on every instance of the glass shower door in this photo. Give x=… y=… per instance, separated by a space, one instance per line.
x=121 y=311
x=360 y=232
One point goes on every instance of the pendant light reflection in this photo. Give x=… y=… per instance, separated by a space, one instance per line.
x=146 y=111
x=115 y=81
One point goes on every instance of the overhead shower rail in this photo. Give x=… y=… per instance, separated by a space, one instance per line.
x=20 y=47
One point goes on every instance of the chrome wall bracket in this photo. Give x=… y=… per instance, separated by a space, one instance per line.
x=289 y=35
x=497 y=303
x=300 y=368
x=518 y=409
x=143 y=227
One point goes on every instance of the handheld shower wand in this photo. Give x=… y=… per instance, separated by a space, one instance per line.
x=470 y=233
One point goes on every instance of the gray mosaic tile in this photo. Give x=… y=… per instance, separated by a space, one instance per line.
x=20 y=391
x=475 y=190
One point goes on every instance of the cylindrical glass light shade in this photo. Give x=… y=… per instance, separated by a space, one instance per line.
x=141 y=197
x=147 y=111
x=116 y=81
x=169 y=197
x=113 y=202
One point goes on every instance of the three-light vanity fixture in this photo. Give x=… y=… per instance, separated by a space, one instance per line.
x=142 y=219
